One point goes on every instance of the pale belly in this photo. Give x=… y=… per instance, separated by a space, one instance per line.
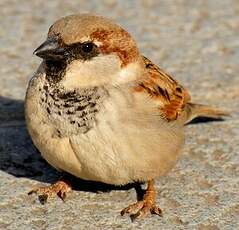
x=121 y=155
x=126 y=144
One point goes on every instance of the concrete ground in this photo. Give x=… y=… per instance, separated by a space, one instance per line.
x=197 y=42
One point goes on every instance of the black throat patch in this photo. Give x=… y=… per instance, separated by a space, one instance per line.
x=55 y=71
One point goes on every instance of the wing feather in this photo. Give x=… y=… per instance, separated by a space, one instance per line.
x=170 y=96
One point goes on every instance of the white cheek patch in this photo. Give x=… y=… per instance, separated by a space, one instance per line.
x=97 y=71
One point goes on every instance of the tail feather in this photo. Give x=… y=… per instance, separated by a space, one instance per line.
x=198 y=110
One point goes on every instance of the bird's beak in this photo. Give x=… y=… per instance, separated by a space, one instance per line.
x=50 y=50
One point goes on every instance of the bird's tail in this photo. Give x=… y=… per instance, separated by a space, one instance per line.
x=198 y=110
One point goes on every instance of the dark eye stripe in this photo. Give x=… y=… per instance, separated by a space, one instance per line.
x=85 y=51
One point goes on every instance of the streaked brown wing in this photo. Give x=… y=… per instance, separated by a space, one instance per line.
x=164 y=90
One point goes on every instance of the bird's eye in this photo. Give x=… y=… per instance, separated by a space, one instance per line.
x=87 y=47
x=85 y=51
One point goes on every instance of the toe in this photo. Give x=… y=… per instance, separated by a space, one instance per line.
x=38 y=191
x=32 y=192
x=132 y=209
x=145 y=211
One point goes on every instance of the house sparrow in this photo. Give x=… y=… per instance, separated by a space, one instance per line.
x=99 y=110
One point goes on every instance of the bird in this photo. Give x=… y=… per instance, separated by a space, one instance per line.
x=98 y=109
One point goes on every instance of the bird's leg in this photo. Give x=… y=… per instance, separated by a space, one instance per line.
x=145 y=206
x=60 y=189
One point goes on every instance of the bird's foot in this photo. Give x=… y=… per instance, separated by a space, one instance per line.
x=141 y=209
x=60 y=189
x=145 y=206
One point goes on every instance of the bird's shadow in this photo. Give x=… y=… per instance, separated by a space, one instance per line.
x=198 y=120
x=20 y=158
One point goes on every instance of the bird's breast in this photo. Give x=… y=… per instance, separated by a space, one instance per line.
x=71 y=112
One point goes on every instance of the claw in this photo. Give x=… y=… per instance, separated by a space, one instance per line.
x=43 y=198
x=157 y=211
x=62 y=195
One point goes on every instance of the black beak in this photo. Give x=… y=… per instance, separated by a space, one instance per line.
x=50 y=50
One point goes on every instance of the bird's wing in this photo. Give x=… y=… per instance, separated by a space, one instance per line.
x=167 y=93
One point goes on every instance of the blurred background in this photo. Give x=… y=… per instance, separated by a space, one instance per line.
x=195 y=41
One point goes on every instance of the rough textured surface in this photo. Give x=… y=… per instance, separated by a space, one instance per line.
x=196 y=41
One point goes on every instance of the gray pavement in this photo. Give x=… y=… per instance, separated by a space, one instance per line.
x=198 y=43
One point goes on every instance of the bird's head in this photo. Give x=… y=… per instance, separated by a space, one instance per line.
x=89 y=51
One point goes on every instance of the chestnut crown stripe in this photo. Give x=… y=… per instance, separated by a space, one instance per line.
x=117 y=41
